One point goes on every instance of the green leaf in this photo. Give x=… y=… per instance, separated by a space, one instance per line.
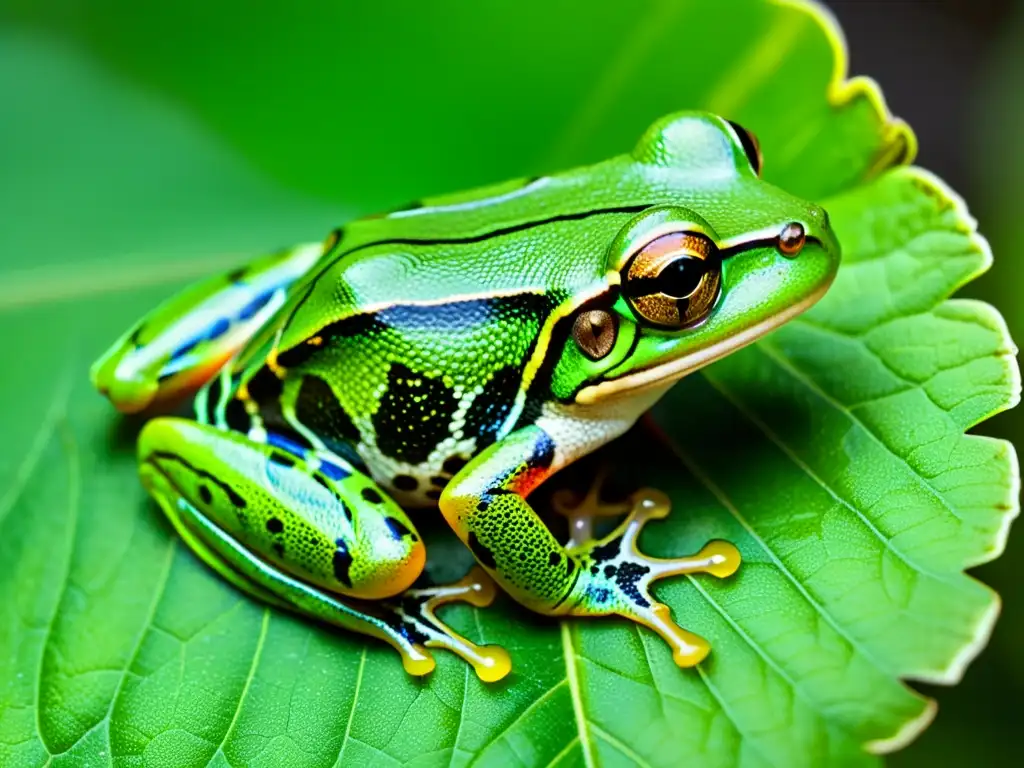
x=832 y=453
x=370 y=105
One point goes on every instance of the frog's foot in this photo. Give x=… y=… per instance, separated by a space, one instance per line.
x=415 y=610
x=615 y=577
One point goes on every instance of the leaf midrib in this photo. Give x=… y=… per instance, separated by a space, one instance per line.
x=571 y=675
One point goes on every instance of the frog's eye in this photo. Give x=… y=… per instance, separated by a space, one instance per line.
x=751 y=146
x=674 y=281
x=594 y=332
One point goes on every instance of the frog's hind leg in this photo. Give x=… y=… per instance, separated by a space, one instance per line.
x=178 y=347
x=316 y=539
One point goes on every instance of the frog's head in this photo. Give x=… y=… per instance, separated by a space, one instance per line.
x=730 y=260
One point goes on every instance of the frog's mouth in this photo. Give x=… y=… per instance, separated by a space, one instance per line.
x=671 y=371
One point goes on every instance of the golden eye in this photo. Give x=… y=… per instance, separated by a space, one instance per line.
x=674 y=280
x=595 y=332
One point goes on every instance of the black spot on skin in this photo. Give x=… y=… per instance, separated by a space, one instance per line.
x=283 y=459
x=453 y=464
x=317 y=407
x=491 y=407
x=205 y=495
x=372 y=496
x=414 y=415
x=607 y=551
x=480 y=552
x=482 y=506
x=594 y=569
x=233 y=497
x=405 y=628
x=236 y=416
x=439 y=481
x=236 y=275
x=570 y=565
x=345 y=510
x=278 y=548
x=265 y=386
x=500 y=492
x=412 y=606
x=355 y=326
x=342 y=562
x=554 y=558
x=323 y=482
x=274 y=525
x=397 y=527
x=213 y=390
x=609 y=570
x=544 y=455
x=405 y=482
x=626 y=579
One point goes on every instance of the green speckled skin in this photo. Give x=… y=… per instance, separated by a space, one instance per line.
x=456 y=353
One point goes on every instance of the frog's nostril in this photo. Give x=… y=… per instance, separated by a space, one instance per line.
x=792 y=239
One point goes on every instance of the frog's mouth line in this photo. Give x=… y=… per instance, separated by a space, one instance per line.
x=673 y=370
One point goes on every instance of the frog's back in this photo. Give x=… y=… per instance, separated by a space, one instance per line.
x=424 y=335
x=419 y=338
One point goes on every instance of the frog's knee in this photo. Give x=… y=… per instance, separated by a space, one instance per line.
x=452 y=506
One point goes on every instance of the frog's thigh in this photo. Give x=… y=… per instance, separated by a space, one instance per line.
x=328 y=526
x=485 y=504
x=178 y=346
x=265 y=582
x=233 y=501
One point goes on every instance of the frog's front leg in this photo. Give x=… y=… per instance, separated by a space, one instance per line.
x=178 y=346
x=315 y=537
x=486 y=505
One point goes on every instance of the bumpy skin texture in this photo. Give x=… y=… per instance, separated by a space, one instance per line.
x=457 y=353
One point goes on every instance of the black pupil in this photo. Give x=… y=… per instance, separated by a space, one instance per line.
x=681 y=277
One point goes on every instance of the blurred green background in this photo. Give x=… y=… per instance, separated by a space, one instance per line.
x=138 y=100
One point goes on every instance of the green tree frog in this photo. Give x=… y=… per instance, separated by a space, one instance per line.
x=454 y=354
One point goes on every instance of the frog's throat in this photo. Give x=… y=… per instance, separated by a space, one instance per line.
x=673 y=370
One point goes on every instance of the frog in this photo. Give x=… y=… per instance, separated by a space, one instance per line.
x=452 y=355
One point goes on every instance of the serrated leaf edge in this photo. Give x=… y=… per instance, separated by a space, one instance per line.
x=899 y=142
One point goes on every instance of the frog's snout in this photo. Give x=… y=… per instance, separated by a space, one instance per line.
x=821 y=230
